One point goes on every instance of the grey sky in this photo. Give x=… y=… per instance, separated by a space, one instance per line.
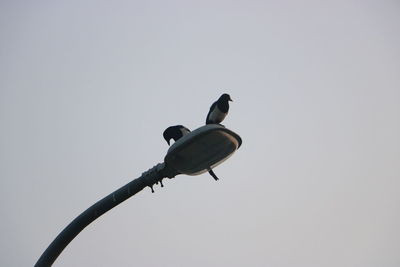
x=87 y=87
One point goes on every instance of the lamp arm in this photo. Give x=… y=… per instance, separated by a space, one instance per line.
x=148 y=178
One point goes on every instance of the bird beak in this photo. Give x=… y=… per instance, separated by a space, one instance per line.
x=230 y=100
x=168 y=141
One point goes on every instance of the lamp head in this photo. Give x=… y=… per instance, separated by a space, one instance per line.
x=202 y=149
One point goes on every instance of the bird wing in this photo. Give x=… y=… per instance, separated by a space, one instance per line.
x=184 y=130
x=209 y=112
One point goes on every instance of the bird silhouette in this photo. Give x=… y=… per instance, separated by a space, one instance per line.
x=218 y=110
x=175 y=132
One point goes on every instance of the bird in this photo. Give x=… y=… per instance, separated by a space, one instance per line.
x=218 y=110
x=178 y=131
x=175 y=132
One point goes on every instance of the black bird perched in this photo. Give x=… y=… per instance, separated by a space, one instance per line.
x=218 y=110
x=176 y=132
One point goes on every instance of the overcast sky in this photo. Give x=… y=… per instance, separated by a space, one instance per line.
x=88 y=87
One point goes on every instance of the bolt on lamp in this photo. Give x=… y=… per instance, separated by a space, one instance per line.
x=193 y=154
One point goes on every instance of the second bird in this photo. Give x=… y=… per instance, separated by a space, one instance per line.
x=175 y=132
x=218 y=110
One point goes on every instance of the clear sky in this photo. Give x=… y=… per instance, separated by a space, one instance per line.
x=87 y=88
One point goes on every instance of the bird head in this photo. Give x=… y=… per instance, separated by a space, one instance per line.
x=226 y=98
x=167 y=136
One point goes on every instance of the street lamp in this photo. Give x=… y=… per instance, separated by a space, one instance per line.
x=193 y=154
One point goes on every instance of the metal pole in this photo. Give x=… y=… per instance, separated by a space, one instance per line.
x=148 y=178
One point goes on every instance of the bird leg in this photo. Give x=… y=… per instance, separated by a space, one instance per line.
x=211 y=172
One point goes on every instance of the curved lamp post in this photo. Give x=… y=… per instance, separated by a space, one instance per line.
x=193 y=154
